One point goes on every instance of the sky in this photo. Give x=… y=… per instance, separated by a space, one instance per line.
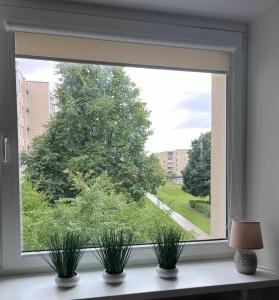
x=179 y=102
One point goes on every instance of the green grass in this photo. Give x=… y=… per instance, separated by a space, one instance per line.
x=173 y=196
x=151 y=212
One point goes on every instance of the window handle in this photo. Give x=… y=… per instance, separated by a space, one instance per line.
x=4 y=142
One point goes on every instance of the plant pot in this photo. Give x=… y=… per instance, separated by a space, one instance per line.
x=67 y=282
x=165 y=273
x=113 y=278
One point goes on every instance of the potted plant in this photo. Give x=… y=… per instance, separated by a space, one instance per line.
x=64 y=256
x=167 y=247
x=113 y=249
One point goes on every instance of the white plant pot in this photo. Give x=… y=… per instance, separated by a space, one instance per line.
x=113 y=278
x=167 y=274
x=67 y=282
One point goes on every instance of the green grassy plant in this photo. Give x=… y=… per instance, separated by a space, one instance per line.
x=65 y=253
x=113 y=249
x=168 y=247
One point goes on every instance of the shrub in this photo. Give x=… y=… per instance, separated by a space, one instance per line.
x=201 y=206
x=36 y=217
x=98 y=204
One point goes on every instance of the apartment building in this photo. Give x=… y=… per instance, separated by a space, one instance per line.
x=34 y=109
x=174 y=161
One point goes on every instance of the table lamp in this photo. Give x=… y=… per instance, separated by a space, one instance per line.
x=246 y=236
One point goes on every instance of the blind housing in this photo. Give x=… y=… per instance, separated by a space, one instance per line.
x=56 y=47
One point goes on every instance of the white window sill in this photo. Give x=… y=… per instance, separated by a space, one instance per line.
x=141 y=283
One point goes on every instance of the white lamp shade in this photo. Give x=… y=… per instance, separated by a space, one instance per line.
x=246 y=235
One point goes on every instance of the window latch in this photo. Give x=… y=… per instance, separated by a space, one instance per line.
x=4 y=146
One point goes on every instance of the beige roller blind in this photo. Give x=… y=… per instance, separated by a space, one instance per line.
x=103 y=51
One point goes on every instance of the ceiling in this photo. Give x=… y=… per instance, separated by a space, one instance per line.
x=238 y=10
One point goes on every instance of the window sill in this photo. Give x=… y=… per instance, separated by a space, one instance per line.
x=141 y=283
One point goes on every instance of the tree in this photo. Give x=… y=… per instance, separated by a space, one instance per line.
x=101 y=126
x=196 y=175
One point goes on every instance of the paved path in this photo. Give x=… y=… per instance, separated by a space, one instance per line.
x=184 y=223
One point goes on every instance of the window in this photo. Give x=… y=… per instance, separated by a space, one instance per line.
x=108 y=120
x=217 y=63
x=109 y=132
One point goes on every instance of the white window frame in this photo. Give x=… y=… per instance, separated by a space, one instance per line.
x=84 y=24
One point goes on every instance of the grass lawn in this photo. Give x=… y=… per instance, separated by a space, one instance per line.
x=152 y=212
x=173 y=196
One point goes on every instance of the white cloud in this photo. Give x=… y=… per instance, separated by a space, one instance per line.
x=174 y=126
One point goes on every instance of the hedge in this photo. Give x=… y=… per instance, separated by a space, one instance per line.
x=201 y=206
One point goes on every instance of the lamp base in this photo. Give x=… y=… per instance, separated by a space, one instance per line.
x=245 y=261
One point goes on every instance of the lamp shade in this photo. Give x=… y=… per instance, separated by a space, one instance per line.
x=246 y=235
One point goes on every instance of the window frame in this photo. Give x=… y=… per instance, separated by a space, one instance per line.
x=12 y=260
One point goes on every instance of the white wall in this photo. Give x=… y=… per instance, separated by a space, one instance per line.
x=262 y=177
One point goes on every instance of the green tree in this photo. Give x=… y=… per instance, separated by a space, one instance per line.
x=101 y=126
x=196 y=175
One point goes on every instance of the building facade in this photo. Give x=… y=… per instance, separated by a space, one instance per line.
x=33 y=109
x=174 y=161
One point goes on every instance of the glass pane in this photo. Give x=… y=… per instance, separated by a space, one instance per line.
x=126 y=147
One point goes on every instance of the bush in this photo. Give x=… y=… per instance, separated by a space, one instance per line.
x=201 y=206
x=36 y=216
x=98 y=205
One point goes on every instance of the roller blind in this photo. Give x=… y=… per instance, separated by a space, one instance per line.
x=104 y=51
